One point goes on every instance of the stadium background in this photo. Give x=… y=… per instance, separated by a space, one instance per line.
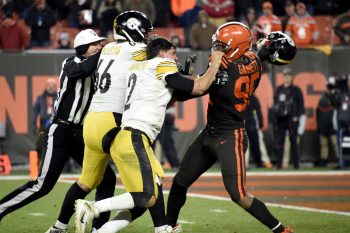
x=23 y=76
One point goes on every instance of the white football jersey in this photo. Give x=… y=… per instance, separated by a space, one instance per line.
x=147 y=95
x=110 y=84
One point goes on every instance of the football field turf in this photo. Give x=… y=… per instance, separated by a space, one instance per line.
x=201 y=214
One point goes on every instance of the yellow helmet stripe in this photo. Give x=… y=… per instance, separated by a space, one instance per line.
x=283 y=61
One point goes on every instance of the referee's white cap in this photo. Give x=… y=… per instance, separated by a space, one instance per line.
x=85 y=37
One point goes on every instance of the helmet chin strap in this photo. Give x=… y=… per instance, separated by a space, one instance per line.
x=275 y=55
x=131 y=41
x=138 y=30
x=129 y=37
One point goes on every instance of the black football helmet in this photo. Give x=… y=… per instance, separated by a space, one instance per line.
x=281 y=48
x=133 y=26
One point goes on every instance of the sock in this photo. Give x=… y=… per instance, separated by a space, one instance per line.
x=158 y=210
x=104 y=190
x=177 y=198
x=278 y=229
x=113 y=226
x=60 y=225
x=121 y=202
x=67 y=209
x=122 y=219
x=137 y=212
x=260 y=212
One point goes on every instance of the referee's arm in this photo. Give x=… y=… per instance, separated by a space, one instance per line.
x=82 y=69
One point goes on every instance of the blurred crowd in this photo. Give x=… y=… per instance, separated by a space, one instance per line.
x=54 y=23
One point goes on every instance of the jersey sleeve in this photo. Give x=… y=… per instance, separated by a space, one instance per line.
x=81 y=69
x=165 y=67
x=139 y=52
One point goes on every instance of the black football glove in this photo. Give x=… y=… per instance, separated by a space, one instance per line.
x=191 y=58
x=179 y=67
x=221 y=78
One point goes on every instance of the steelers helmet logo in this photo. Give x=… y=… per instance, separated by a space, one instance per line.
x=133 y=23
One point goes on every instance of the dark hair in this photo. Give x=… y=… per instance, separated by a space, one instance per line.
x=155 y=45
x=82 y=49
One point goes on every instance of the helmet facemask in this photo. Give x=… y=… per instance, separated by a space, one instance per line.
x=220 y=46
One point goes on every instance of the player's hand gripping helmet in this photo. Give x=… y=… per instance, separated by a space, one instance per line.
x=279 y=48
x=232 y=38
x=133 y=26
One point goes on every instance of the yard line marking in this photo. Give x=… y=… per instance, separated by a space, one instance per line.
x=14 y=177
x=68 y=178
x=203 y=196
x=185 y=222
x=172 y=174
x=272 y=183
x=37 y=214
x=270 y=204
x=218 y=211
x=280 y=193
x=309 y=209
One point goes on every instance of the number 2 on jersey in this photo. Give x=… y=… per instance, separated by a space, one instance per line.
x=132 y=83
x=244 y=93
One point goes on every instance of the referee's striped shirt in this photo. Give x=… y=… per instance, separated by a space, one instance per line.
x=76 y=88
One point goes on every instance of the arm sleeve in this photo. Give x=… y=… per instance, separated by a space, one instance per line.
x=335 y=99
x=82 y=69
x=183 y=96
x=300 y=100
x=338 y=30
x=258 y=113
x=49 y=18
x=139 y=52
x=31 y=17
x=36 y=110
x=179 y=83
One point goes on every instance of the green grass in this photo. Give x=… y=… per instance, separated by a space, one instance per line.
x=205 y=216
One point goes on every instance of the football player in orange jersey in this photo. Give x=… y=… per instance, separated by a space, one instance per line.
x=224 y=138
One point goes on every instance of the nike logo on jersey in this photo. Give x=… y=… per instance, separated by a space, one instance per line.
x=223 y=141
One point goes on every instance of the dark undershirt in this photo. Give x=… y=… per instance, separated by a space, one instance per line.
x=179 y=83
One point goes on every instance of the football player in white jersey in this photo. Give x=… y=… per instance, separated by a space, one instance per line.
x=131 y=29
x=150 y=86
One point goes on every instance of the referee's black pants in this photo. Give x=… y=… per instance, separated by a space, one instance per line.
x=62 y=142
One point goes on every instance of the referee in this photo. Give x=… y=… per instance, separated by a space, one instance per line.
x=64 y=137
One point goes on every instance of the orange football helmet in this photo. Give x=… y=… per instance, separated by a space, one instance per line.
x=232 y=38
